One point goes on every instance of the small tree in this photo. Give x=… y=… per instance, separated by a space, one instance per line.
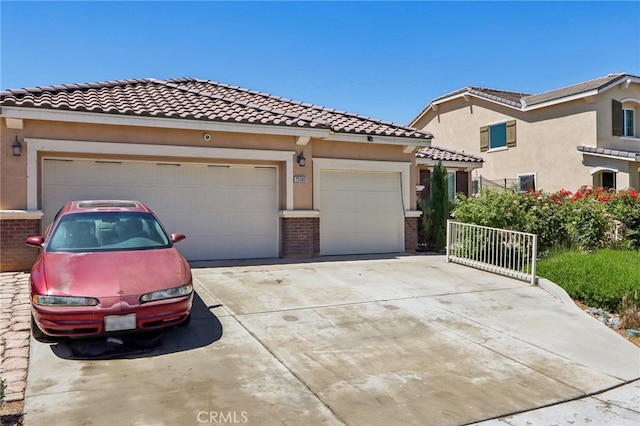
x=441 y=206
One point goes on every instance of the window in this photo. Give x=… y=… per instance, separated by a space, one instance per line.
x=451 y=185
x=628 y=123
x=498 y=136
x=527 y=182
x=608 y=180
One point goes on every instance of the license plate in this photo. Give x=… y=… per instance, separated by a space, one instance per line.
x=120 y=322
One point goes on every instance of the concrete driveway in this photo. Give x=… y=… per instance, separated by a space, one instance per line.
x=406 y=340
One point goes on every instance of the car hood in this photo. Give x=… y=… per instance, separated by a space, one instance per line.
x=108 y=274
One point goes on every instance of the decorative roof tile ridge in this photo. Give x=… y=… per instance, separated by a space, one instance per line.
x=252 y=105
x=453 y=151
x=427 y=151
x=492 y=89
x=308 y=105
x=71 y=87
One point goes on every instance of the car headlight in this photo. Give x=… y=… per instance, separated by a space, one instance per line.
x=45 y=300
x=183 y=290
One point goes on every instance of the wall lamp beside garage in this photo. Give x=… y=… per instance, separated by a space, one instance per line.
x=16 y=146
x=301 y=160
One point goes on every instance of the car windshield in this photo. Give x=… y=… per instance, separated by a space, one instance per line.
x=107 y=231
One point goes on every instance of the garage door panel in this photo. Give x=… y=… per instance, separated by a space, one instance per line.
x=360 y=181
x=360 y=212
x=235 y=207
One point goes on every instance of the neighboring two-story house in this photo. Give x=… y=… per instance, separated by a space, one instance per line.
x=587 y=133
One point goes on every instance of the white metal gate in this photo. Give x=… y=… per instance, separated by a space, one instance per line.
x=501 y=251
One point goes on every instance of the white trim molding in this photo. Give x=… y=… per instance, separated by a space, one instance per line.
x=166 y=123
x=412 y=213
x=633 y=100
x=34 y=146
x=303 y=134
x=20 y=214
x=298 y=213
x=603 y=169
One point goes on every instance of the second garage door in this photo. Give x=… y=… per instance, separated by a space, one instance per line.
x=227 y=212
x=361 y=212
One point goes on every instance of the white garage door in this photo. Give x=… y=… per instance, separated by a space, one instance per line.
x=360 y=212
x=226 y=212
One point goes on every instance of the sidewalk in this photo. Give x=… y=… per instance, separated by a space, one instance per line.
x=15 y=333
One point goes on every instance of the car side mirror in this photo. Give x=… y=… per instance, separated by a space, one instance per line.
x=177 y=237
x=35 y=241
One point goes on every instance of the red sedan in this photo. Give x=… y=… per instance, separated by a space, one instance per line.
x=107 y=267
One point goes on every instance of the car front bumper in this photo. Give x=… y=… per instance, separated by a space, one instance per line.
x=85 y=321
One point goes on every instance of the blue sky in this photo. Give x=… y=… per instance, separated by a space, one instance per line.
x=381 y=59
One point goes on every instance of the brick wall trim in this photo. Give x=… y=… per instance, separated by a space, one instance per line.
x=16 y=255
x=411 y=231
x=299 y=237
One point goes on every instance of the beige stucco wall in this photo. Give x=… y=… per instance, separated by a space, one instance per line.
x=620 y=92
x=13 y=181
x=546 y=138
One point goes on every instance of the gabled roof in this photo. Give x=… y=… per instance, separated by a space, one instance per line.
x=513 y=99
x=526 y=101
x=576 y=89
x=196 y=99
x=436 y=154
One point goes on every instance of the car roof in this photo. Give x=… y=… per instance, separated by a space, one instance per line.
x=86 y=206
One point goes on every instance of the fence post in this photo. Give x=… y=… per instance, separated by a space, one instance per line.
x=448 y=238
x=534 y=259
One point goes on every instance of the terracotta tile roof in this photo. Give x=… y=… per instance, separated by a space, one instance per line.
x=442 y=154
x=195 y=99
x=618 y=153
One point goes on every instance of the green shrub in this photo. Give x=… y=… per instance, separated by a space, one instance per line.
x=587 y=223
x=589 y=219
x=599 y=279
x=435 y=212
x=441 y=206
x=547 y=218
x=494 y=208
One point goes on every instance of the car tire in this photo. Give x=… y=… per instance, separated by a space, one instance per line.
x=39 y=334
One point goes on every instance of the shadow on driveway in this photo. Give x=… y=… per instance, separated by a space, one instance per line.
x=203 y=330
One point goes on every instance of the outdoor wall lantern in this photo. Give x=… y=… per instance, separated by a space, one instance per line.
x=16 y=146
x=301 y=160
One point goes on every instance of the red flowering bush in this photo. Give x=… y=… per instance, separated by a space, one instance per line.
x=589 y=218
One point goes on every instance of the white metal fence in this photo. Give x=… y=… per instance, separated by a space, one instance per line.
x=501 y=251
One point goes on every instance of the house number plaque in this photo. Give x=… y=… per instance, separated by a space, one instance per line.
x=299 y=179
